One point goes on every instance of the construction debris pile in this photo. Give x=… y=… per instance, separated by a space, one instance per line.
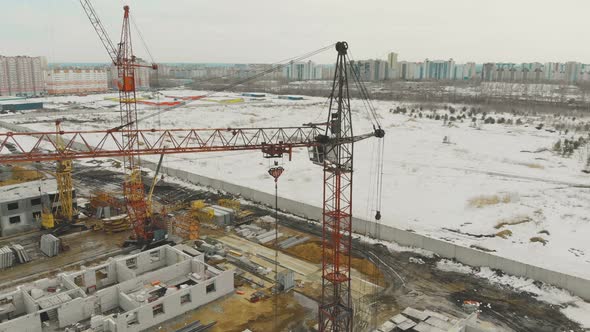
x=49 y=245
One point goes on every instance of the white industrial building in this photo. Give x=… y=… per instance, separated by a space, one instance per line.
x=70 y=81
x=20 y=205
x=131 y=293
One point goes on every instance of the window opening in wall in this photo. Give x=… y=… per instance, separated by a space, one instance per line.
x=79 y=280
x=186 y=298
x=158 y=309
x=101 y=274
x=155 y=256
x=132 y=319
x=12 y=206
x=210 y=288
x=37 y=215
x=36 y=201
x=14 y=220
x=131 y=263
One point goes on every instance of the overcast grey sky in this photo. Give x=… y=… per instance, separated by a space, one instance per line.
x=240 y=31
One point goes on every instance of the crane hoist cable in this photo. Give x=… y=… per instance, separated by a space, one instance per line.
x=368 y=104
x=142 y=40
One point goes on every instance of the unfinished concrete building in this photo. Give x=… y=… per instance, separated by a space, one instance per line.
x=21 y=205
x=131 y=293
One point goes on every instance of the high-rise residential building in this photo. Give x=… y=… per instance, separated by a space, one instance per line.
x=371 y=70
x=439 y=69
x=572 y=71
x=300 y=71
x=22 y=76
x=76 y=80
x=393 y=65
x=411 y=71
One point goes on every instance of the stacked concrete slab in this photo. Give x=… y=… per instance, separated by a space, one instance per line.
x=21 y=254
x=427 y=321
x=6 y=257
x=293 y=241
x=223 y=216
x=49 y=245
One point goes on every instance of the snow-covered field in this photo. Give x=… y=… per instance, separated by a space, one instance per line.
x=483 y=182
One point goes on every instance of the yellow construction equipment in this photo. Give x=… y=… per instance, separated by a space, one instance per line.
x=233 y=204
x=47 y=220
x=188 y=225
x=63 y=176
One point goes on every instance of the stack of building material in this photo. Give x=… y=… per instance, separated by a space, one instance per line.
x=294 y=242
x=268 y=236
x=49 y=245
x=417 y=320
x=116 y=224
x=6 y=257
x=223 y=216
x=21 y=254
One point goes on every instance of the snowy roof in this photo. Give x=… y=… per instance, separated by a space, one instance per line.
x=24 y=190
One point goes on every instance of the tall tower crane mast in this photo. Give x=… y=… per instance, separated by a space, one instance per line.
x=125 y=61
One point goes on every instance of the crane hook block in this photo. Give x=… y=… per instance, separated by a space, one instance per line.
x=378 y=215
x=379 y=133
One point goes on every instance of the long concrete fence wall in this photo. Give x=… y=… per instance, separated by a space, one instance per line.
x=468 y=256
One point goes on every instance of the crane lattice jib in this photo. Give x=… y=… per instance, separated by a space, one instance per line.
x=43 y=146
x=100 y=30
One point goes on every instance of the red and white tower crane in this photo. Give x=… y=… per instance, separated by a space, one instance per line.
x=331 y=147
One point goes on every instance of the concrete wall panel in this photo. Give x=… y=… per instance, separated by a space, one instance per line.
x=443 y=249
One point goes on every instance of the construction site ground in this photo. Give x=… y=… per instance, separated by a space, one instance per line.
x=384 y=282
x=85 y=248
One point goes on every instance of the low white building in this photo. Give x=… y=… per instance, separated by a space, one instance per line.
x=131 y=293
x=71 y=81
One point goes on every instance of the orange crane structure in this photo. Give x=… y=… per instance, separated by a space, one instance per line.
x=123 y=58
x=330 y=144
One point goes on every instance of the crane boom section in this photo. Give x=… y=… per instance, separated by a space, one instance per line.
x=100 y=31
x=44 y=146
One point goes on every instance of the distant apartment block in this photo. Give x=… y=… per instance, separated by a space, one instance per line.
x=142 y=76
x=393 y=65
x=22 y=76
x=302 y=71
x=71 y=81
x=371 y=70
